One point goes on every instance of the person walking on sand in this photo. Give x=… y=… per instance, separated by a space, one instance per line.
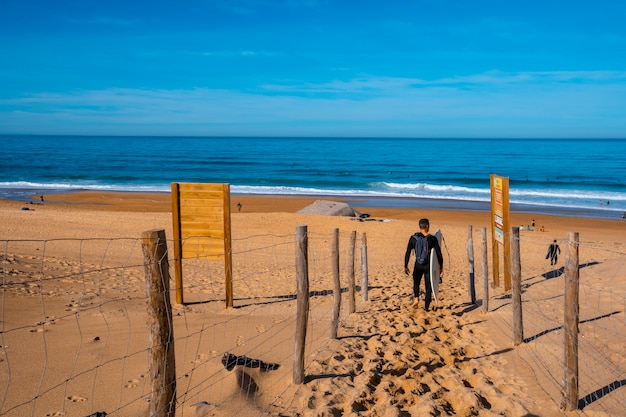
x=421 y=243
x=553 y=252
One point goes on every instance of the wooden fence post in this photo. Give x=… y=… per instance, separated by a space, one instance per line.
x=570 y=325
x=485 y=264
x=470 y=262
x=334 y=250
x=364 y=272
x=516 y=287
x=228 y=246
x=178 y=243
x=495 y=262
x=302 y=304
x=351 y=281
x=162 y=361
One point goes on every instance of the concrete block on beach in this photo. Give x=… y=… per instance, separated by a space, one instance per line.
x=329 y=208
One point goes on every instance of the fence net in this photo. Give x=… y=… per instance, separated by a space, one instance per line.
x=74 y=331
x=74 y=339
x=602 y=324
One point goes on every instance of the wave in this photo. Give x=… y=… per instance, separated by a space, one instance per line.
x=521 y=194
x=433 y=187
x=63 y=187
x=583 y=199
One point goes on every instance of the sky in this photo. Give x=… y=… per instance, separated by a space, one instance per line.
x=420 y=68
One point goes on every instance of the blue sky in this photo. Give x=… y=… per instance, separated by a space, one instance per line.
x=431 y=68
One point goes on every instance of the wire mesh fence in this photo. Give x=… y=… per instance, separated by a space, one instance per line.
x=74 y=339
x=601 y=325
x=74 y=331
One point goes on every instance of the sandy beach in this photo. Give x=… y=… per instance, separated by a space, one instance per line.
x=74 y=337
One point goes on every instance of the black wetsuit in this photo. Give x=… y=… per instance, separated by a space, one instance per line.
x=420 y=270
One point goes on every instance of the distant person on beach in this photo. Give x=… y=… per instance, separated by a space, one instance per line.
x=41 y=198
x=553 y=252
x=239 y=206
x=421 y=243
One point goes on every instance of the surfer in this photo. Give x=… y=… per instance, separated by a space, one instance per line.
x=418 y=242
x=553 y=252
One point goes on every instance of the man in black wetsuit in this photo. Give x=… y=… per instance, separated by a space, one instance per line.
x=422 y=264
x=553 y=252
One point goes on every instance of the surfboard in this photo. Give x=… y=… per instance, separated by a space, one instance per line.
x=434 y=269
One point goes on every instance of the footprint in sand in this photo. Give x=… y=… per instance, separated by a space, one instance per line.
x=71 y=307
x=203 y=358
x=75 y=398
x=54 y=414
x=132 y=383
x=240 y=340
x=260 y=328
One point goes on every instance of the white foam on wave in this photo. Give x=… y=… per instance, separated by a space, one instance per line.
x=583 y=199
x=85 y=186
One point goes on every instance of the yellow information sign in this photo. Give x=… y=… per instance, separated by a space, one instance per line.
x=500 y=227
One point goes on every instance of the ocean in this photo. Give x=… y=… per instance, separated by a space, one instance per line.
x=585 y=178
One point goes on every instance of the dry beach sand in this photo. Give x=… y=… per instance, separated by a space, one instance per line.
x=389 y=359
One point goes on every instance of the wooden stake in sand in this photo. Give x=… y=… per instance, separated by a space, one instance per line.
x=570 y=326
x=485 y=264
x=470 y=262
x=516 y=287
x=334 y=249
x=302 y=303
x=364 y=272
x=162 y=361
x=351 y=279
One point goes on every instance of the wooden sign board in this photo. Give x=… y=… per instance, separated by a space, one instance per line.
x=499 y=187
x=202 y=227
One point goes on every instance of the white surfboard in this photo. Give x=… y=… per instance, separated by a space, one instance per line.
x=434 y=269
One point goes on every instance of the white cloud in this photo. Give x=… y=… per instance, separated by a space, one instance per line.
x=535 y=104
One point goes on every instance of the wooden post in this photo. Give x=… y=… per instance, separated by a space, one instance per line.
x=499 y=226
x=364 y=272
x=495 y=223
x=507 y=239
x=302 y=305
x=351 y=281
x=162 y=361
x=228 y=252
x=516 y=287
x=178 y=242
x=485 y=265
x=334 y=250
x=470 y=262
x=570 y=325
x=495 y=262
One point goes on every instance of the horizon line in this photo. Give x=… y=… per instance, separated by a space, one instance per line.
x=317 y=137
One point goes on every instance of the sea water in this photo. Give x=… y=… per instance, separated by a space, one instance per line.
x=554 y=176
